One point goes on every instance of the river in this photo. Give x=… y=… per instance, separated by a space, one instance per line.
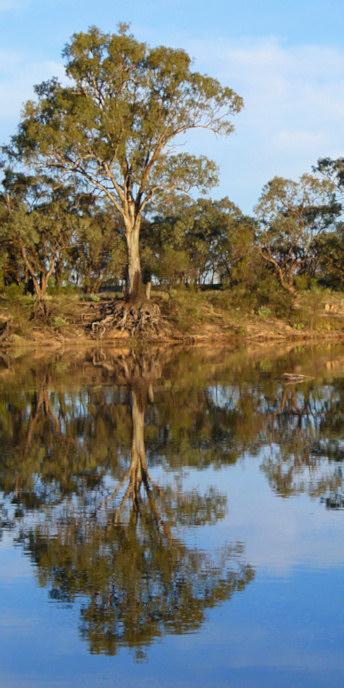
x=172 y=518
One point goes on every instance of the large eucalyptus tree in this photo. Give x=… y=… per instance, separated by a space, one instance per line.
x=116 y=121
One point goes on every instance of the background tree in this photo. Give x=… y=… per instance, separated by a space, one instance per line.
x=198 y=242
x=330 y=245
x=99 y=251
x=329 y=248
x=333 y=170
x=39 y=225
x=290 y=215
x=10 y=199
x=114 y=126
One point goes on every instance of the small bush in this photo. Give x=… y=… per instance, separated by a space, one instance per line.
x=222 y=299
x=186 y=308
x=264 y=312
x=14 y=293
x=95 y=298
x=59 y=322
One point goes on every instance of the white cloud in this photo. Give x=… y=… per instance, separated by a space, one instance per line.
x=284 y=142
x=294 y=103
x=9 y=5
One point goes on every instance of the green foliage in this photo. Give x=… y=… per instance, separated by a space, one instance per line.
x=291 y=215
x=59 y=322
x=94 y=298
x=260 y=288
x=264 y=312
x=270 y=293
x=311 y=313
x=19 y=308
x=329 y=248
x=14 y=293
x=223 y=298
x=186 y=309
x=199 y=242
x=304 y=282
x=39 y=218
x=98 y=254
x=113 y=125
x=333 y=170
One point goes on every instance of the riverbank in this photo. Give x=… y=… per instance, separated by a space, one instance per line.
x=189 y=317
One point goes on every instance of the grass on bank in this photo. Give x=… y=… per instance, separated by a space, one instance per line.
x=208 y=312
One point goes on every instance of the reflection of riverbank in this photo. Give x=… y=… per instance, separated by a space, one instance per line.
x=171 y=504
x=73 y=365
x=210 y=405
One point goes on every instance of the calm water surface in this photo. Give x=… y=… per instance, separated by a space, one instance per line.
x=172 y=519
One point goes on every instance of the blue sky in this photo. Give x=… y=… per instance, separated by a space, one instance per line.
x=286 y=59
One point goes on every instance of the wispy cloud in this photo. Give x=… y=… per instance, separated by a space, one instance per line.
x=294 y=103
x=6 y=5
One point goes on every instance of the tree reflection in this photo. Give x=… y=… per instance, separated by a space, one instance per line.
x=94 y=476
x=294 y=464
x=116 y=545
x=210 y=411
x=137 y=582
x=43 y=456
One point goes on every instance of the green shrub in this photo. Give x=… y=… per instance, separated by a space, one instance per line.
x=264 y=312
x=14 y=293
x=59 y=322
x=186 y=308
x=222 y=299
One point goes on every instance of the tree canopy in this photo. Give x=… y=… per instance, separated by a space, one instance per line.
x=115 y=124
x=291 y=214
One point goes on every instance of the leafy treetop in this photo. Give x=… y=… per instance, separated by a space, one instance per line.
x=115 y=122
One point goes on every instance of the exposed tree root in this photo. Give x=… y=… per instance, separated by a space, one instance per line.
x=137 y=370
x=41 y=311
x=135 y=317
x=5 y=328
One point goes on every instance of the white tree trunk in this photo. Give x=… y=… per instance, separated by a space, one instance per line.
x=134 y=264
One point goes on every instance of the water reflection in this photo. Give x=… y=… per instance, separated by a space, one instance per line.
x=98 y=527
x=94 y=452
x=66 y=425
x=294 y=428
x=147 y=490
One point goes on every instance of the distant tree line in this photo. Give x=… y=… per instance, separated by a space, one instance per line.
x=59 y=236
